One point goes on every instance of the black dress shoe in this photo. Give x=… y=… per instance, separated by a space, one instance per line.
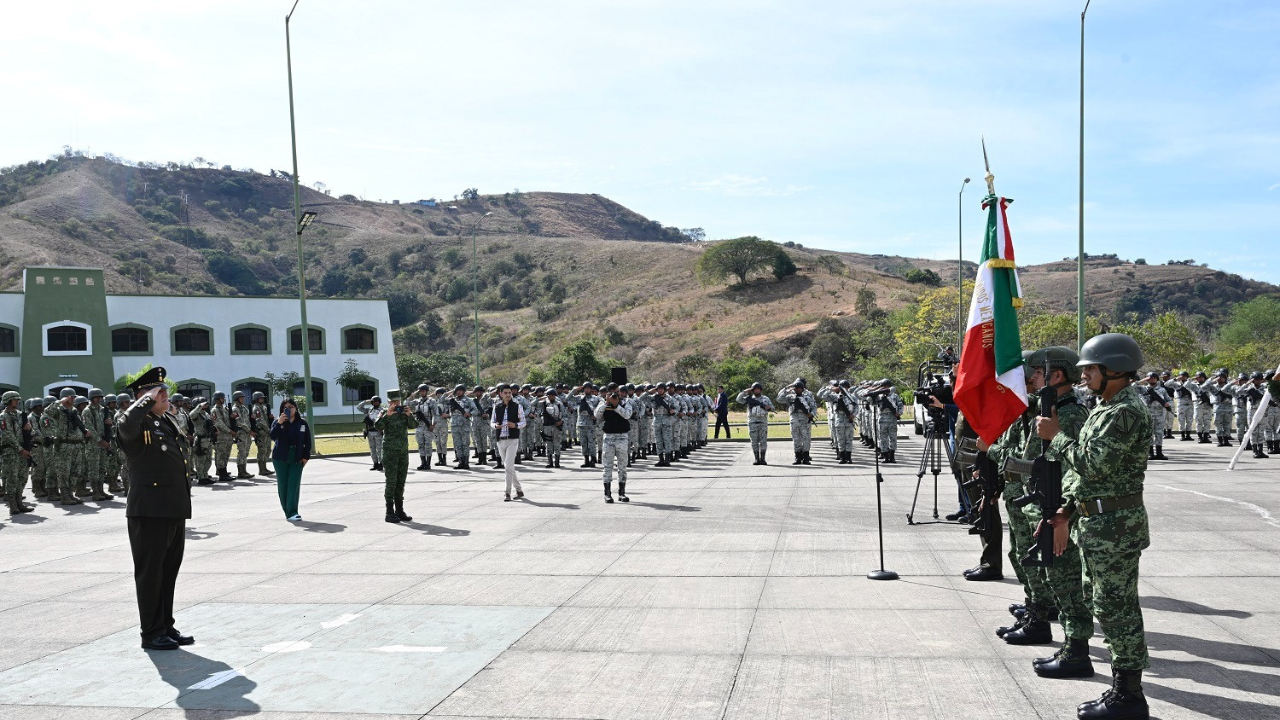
x=952 y=517
x=984 y=574
x=180 y=638
x=161 y=642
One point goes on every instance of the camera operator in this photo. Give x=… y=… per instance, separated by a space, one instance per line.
x=616 y=418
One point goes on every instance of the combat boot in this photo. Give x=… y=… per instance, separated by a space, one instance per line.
x=1123 y=701
x=557 y=461
x=608 y=493
x=1226 y=441
x=1071 y=661
x=422 y=463
x=550 y=462
x=441 y=461
x=799 y=460
x=37 y=488
x=391 y=517
x=482 y=460
x=263 y=470
x=243 y=473
x=805 y=457
x=99 y=494
x=1248 y=444
x=756 y=453
x=889 y=460
x=399 y=510
x=68 y=497
x=1168 y=433
x=1034 y=629
x=1160 y=453
x=82 y=490
x=586 y=461
x=1257 y=453
x=622 y=492
x=1204 y=439
x=114 y=486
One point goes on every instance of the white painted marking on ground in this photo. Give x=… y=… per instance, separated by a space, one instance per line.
x=286 y=647
x=410 y=649
x=1261 y=511
x=338 y=621
x=217 y=679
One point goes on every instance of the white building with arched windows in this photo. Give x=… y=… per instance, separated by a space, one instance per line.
x=63 y=330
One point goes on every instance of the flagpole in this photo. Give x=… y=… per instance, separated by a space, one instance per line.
x=1080 y=202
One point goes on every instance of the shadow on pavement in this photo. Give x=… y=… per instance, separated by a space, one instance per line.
x=204 y=684
x=319 y=527
x=436 y=529
x=193 y=534
x=563 y=506
x=1186 y=606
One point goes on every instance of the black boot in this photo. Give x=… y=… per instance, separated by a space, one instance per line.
x=482 y=459
x=391 y=513
x=1124 y=701
x=1160 y=453
x=805 y=457
x=586 y=461
x=622 y=491
x=1186 y=436
x=1168 y=433
x=442 y=461
x=799 y=458
x=889 y=459
x=263 y=470
x=1204 y=439
x=756 y=453
x=1257 y=453
x=1034 y=630
x=608 y=492
x=1071 y=661
x=662 y=461
x=399 y=510
x=557 y=461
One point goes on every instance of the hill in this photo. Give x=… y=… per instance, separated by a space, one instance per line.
x=550 y=266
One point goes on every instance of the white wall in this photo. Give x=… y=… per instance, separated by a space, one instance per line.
x=11 y=305
x=160 y=313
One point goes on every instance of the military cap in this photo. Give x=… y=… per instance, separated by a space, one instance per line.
x=478 y=388
x=237 y=395
x=150 y=379
x=257 y=395
x=459 y=386
x=756 y=386
x=393 y=394
x=67 y=392
x=81 y=400
x=219 y=395
x=1116 y=352
x=10 y=396
x=95 y=392
x=176 y=398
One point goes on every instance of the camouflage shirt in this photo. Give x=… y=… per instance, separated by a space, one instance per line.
x=1110 y=457
x=395 y=427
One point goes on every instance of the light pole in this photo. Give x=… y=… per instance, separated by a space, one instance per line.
x=300 y=222
x=475 y=291
x=960 y=276
x=1080 y=251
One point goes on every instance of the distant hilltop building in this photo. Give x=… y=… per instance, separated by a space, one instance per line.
x=64 y=330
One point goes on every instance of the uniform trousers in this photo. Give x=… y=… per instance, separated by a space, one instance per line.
x=615 y=453
x=375 y=447
x=395 y=467
x=157 y=545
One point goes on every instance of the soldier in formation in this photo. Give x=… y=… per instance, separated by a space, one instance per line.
x=243 y=432
x=759 y=406
x=481 y=430
x=260 y=419
x=423 y=409
x=372 y=410
x=1153 y=393
x=802 y=408
x=202 y=434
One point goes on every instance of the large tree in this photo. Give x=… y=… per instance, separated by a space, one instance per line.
x=739 y=258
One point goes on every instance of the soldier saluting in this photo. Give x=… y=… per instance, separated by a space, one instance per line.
x=158 y=506
x=1104 y=513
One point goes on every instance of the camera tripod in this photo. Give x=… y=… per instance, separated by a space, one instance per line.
x=936 y=450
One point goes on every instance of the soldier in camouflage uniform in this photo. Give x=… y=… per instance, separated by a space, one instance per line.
x=553 y=427
x=889 y=408
x=372 y=410
x=1181 y=391
x=111 y=470
x=123 y=401
x=586 y=403
x=422 y=409
x=35 y=409
x=1012 y=445
x=1272 y=416
x=394 y=425
x=758 y=408
x=202 y=445
x=481 y=431
x=260 y=419
x=632 y=401
x=841 y=409
x=1204 y=406
x=79 y=476
x=1254 y=393
x=1220 y=394
x=224 y=436
x=53 y=426
x=802 y=408
x=243 y=429
x=1153 y=394
x=570 y=400
x=179 y=408
x=1240 y=406
x=1104 y=514
x=440 y=428
x=97 y=445
x=461 y=411
x=13 y=456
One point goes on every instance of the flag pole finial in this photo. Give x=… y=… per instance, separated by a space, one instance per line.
x=991 y=179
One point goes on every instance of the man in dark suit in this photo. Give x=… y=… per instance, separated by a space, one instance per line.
x=157 y=508
x=722 y=411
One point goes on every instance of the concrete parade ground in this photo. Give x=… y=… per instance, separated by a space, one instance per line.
x=722 y=590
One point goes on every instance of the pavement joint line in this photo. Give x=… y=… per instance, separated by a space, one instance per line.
x=1265 y=514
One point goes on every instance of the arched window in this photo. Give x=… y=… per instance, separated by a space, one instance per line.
x=368 y=389
x=192 y=340
x=319 y=391
x=196 y=388
x=8 y=340
x=359 y=338
x=130 y=339
x=250 y=339
x=295 y=339
x=67 y=337
x=249 y=386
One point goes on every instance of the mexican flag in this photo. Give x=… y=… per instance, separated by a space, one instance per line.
x=990 y=387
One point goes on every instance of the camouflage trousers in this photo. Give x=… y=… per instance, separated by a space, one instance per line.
x=1222 y=421
x=481 y=433
x=72 y=465
x=587 y=436
x=842 y=436
x=1204 y=418
x=614 y=453
x=1157 y=426
x=222 y=452
x=664 y=434
x=1259 y=430
x=375 y=447
x=461 y=440
x=1242 y=422
x=571 y=428
x=38 y=469
x=442 y=438
x=888 y=427
x=1021 y=538
x=679 y=432
x=243 y=441
x=645 y=430
x=1062 y=583
x=1272 y=421
x=202 y=457
x=95 y=463
x=759 y=432
x=1186 y=413
x=801 y=433
x=1111 y=546
x=702 y=428
x=633 y=438
x=552 y=439
x=13 y=471
x=424 y=437
x=263 y=445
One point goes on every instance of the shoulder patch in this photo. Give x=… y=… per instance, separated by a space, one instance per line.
x=1126 y=420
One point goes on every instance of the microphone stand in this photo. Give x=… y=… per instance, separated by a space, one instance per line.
x=880 y=574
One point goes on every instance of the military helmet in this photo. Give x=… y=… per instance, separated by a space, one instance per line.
x=176 y=399
x=798 y=382
x=34 y=403
x=1116 y=352
x=439 y=391
x=1200 y=374
x=258 y=395
x=459 y=386
x=553 y=391
x=81 y=400
x=1166 y=374
x=108 y=399
x=1257 y=376
x=588 y=386
x=756 y=386
x=629 y=387
x=375 y=399
x=1242 y=376
x=49 y=400
x=526 y=386
x=219 y=395
x=237 y=395
x=424 y=386
x=1221 y=373
x=478 y=388
x=844 y=384
x=1058 y=357
x=67 y=392
x=94 y=392
x=1185 y=374
x=124 y=395
x=1153 y=375
x=10 y=396
x=1026 y=358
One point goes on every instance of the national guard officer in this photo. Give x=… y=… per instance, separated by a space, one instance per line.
x=614 y=416
x=1220 y=395
x=480 y=425
x=1181 y=389
x=13 y=456
x=461 y=410
x=802 y=408
x=889 y=408
x=157 y=507
x=758 y=408
x=422 y=409
x=96 y=445
x=587 y=424
x=202 y=431
x=1204 y=406
x=393 y=426
x=35 y=412
x=123 y=400
x=1157 y=400
x=1255 y=392
x=1240 y=406
x=553 y=427
x=240 y=425
x=1103 y=512
x=112 y=462
x=223 y=436
x=372 y=409
x=440 y=425
x=260 y=419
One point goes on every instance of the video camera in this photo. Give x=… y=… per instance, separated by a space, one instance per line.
x=931 y=383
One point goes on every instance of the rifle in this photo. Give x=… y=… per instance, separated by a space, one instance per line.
x=108 y=423
x=28 y=438
x=796 y=404
x=76 y=422
x=1046 y=489
x=988 y=481
x=453 y=402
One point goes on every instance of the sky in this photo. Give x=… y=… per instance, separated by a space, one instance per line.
x=845 y=125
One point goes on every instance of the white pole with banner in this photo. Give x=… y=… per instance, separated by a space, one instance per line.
x=1257 y=418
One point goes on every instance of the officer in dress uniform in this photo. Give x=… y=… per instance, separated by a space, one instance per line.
x=158 y=506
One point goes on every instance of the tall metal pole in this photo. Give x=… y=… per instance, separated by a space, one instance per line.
x=297 y=226
x=1080 y=251
x=475 y=292
x=960 y=276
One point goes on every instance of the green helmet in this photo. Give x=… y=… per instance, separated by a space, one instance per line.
x=35 y=404
x=1026 y=358
x=9 y=397
x=81 y=400
x=66 y=392
x=257 y=395
x=95 y=392
x=1116 y=352
x=176 y=399
x=1058 y=357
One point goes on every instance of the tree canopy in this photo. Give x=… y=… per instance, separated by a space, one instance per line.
x=741 y=257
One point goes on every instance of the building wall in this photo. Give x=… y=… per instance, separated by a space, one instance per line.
x=11 y=316
x=64 y=295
